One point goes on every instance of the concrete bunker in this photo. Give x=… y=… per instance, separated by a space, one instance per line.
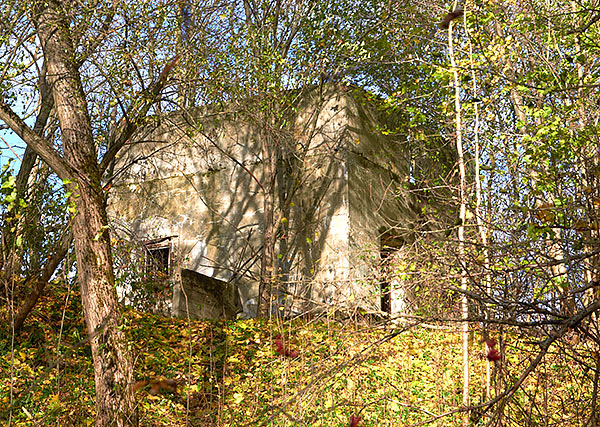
x=196 y=175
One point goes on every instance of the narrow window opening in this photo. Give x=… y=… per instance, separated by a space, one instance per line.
x=154 y=288
x=389 y=244
x=157 y=259
x=386 y=291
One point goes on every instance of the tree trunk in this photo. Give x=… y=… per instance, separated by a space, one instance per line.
x=481 y=227
x=112 y=367
x=13 y=253
x=592 y=265
x=461 y=229
x=268 y=284
x=31 y=299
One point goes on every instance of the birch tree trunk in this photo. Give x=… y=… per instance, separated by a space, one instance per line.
x=481 y=227
x=462 y=218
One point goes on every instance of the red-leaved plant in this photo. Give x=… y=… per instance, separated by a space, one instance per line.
x=282 y=349
x=354 y=420
x=493 y=355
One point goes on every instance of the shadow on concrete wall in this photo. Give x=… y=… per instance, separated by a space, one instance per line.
x=187 y=168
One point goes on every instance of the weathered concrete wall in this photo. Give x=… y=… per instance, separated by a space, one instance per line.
x=378 y=169
x=204 y=297
x=195 y=178
x=181 y=184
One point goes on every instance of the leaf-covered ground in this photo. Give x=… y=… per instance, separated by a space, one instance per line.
x=294 y=373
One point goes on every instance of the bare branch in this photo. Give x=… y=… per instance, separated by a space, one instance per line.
x=39 y=144
x=150 y=97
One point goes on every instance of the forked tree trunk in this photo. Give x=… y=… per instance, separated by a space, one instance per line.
x=112 y=367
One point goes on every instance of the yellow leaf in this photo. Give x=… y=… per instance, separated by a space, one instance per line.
x=233 y=359
x=27 y=413
x=54 y=402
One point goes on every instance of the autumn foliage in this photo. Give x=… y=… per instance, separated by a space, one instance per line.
x=282 y=349
x=493 y=355
x=354 y=420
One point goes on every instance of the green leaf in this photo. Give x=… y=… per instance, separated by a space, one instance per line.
x=9 y=183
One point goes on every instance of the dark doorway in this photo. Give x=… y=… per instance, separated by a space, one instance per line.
x=389 y=244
